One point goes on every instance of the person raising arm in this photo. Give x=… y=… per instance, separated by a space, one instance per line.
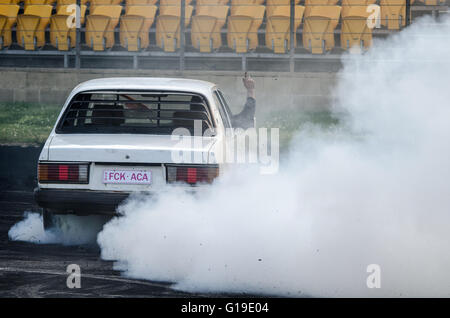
x=246 y=118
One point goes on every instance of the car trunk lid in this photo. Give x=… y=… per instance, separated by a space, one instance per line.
x=128 y=148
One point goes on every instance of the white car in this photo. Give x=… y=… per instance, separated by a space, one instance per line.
x=115 y=136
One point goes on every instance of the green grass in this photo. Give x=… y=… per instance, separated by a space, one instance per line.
x=290 y=122
x=26 y=123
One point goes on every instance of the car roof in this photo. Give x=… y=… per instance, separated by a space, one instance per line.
x=146 y=83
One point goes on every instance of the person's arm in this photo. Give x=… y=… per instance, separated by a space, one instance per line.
x=249 y=84
x=245 y=119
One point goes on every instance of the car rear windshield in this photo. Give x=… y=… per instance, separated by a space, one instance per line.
x=140 y=113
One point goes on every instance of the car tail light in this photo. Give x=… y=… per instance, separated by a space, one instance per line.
x=63 y=173
x=192 y=174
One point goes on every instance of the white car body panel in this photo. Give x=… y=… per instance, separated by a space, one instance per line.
x=124 y=148
x=136 y=151
x=96 y=180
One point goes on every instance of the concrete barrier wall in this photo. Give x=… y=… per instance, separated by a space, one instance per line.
x=274 y=90
x=18 y=167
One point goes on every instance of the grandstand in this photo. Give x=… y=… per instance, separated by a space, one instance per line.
x=227 y=34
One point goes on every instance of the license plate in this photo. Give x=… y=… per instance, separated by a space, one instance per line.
x=127 y=176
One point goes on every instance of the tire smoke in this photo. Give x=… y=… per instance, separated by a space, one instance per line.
x=374 y=191
x=69 y=229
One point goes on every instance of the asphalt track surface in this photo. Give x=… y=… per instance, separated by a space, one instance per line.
x=36 y=270
x=39 y=270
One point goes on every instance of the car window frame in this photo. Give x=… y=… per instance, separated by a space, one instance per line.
x=60 y=119
x=222 y=106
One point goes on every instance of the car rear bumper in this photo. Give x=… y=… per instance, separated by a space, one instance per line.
x=80 y=202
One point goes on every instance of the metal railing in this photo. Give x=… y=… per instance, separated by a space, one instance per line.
x=291 y=54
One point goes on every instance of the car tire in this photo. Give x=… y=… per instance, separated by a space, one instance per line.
x=47 y=219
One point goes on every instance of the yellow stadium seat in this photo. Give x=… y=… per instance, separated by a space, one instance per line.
x=272 y=5
x=393 y=13
x=96 y=3
x=37 y=2
x=312 y=3
x=276 y=3
x=165 y=7
x=168 y=26
x=27 y=26
x=165 y=3
x=206 y=27
x=329 y=36
x=68 y=10
x=9 y=2
x=318 y=29
x=243 y=25
x=278 y=27
x=246 y=2
x=8 y=17
x=68 y=2
x=135 y=25
x=62 y=30
x=3 y=21
x=211 y=3
x=130 y=3
x=31 y=26
x=100 y=26
x=355 y=33
x=347 y=4
x=236 y=4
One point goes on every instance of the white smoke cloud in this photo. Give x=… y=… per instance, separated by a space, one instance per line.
x=70 y=229
x=342 y=201
x=378 y=195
